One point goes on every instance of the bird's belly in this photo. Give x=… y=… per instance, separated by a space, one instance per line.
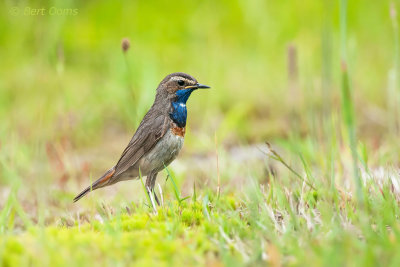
x=162 y=154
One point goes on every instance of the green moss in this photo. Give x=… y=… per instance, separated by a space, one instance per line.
x=143 y=237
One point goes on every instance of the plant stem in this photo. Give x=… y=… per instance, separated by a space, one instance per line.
x=347 y=102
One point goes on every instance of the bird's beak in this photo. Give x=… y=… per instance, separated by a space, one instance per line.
x=197 y=86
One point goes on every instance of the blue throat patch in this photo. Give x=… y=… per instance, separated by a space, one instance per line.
x=179 y=113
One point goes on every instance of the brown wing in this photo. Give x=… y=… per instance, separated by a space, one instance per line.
x=153 y=126
x=150 y=130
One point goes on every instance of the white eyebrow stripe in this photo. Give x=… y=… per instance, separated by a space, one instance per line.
x=177 y=78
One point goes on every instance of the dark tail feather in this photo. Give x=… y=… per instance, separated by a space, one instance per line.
x=83 y=193
x=102 y=181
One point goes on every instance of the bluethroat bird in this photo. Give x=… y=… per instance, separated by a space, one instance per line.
x=159 y=137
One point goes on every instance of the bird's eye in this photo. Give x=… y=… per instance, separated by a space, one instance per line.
x=181 y=82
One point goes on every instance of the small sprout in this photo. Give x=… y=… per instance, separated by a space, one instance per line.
x=128 y=210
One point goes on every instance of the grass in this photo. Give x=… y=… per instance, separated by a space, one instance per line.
x=275 y=223
x=290 y=159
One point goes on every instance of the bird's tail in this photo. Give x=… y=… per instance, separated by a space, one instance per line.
x=102 y=181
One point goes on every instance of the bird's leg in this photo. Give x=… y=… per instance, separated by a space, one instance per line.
x=156 y=198
x=153 y=182
x=150 y=182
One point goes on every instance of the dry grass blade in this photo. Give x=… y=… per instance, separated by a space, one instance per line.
x=152 y=199
x=161 y=194
x=274 y=155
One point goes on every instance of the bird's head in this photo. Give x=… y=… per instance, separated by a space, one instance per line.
x=179 y=86
x=173 y=92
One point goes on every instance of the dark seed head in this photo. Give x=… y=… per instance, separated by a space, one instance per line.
x=125 y=44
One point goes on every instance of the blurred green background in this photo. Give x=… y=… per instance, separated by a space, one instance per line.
x=66 y=76
x=274 y=68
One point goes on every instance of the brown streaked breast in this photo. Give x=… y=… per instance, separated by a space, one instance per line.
x=178 y=131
